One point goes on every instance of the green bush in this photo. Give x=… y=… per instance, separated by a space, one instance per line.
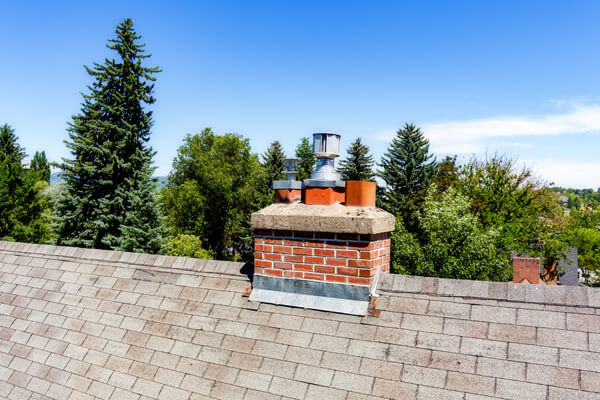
x=451 y=242
x=185 y=246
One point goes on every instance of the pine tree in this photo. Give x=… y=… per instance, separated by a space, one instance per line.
x=21 y=206
x=108 y=199
x=407 y=167
x=273 y=162
x=304 y=152
x=39 y=164
x=358 y=165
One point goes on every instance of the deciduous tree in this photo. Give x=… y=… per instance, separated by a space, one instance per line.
x=211 y=192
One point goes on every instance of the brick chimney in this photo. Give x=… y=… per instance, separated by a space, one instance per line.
x=526 y=270
x=325 y=256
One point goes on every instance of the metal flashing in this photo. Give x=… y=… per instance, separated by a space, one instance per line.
x=307 y=301
x=312 y=288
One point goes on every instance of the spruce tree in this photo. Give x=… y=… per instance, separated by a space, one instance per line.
x=304 y=151
x=39 y=164
x=21 y=206
x=273 y=162
x=358 y=165
x=108 y=199
x=407 y=167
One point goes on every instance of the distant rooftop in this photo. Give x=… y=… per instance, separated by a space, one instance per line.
x=87 y=324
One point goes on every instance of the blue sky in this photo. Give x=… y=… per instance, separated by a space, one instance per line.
x=517 y=78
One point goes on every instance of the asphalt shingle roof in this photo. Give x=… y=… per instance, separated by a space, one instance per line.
x=87 y=324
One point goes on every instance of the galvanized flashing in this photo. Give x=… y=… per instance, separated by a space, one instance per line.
x=287 y=185
x=324 y=183
x=313 y=288
x=307 y=301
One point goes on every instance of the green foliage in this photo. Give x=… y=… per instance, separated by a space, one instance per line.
x=577 y=198
x=587 y=241
x=525 y=212
x=304 y=151
x=584 y=233
x=407 y=168
x=358 y=165
x=39 y=164
x=21 y=206
x=185 y=246
x=446 y=174
x=108 y=200
x=211 y=192
x=273 y=162
x=451 y=243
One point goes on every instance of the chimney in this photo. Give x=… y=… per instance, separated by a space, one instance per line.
x=526 y=270
x=290 y=190
x=320 y=254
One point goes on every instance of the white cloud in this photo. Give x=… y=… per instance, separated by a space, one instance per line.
x=567 y=173
x=479 y=135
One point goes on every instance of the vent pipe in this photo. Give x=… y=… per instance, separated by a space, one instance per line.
x=326 y=147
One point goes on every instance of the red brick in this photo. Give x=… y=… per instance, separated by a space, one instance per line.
x=263 y=263
x=262 y=232
x=359 y=281
x=367 y=272
x=282 y=265
x=313 y=243
x=324 y=269
x=273 y=241
x=310 y=275
x=347 y=253
x=360 y=245
x=336 y=244
x=288 y=242
x=282 y=249
x=303 y=267
x=335 y=278
x=271 y=256
x=367 y=255
x=293 y=258
x=324 y=252
x=314 y=260
x=298 y=250
x=347 y=271
x=258 y=240
x=293 y=274
x=360 y=263
x=274 y=272
x=258 y=255
x=259 y=271
x=282 y=233
x=336 y=261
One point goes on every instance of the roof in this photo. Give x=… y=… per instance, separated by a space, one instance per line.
x=87 y=324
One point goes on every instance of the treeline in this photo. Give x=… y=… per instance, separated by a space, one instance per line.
x=456 y=221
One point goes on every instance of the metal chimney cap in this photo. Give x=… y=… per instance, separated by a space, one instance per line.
x=326 y=144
